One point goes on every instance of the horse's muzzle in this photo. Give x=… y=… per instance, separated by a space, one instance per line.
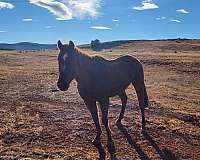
x=62 y=87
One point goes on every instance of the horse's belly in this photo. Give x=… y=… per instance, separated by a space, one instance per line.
x=117 y=90
x=108 y=91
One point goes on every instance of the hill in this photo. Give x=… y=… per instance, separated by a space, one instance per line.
x=153 y=45
x=26 y=46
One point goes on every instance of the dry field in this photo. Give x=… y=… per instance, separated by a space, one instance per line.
x=38 y=124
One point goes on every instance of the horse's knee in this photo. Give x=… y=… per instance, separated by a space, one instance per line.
x=142 y=109
x=142 y=105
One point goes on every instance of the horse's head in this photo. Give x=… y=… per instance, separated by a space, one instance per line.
x=66 y=64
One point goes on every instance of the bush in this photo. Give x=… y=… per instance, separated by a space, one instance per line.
x=96 y=45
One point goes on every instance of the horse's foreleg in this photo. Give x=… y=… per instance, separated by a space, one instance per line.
x=104 y=109
x=104 y=105
x=123 y=98
x=91 y=105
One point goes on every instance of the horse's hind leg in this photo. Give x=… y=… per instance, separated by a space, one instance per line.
x=123 y=98
x=142 y=98
x=91 y=105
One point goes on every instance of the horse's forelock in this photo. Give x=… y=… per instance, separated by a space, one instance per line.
x=65 y=56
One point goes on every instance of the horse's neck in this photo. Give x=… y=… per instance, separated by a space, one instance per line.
x=82 y=63
x=82 y=59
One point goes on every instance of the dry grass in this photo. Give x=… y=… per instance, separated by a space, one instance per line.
x=38 y=124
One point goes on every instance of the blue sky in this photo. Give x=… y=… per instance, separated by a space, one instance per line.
x=46 y=21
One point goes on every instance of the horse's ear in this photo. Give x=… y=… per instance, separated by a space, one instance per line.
x=71 y=44
x=59 y=44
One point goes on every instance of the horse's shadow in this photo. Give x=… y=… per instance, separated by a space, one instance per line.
x=164 y=154
x=133 y=144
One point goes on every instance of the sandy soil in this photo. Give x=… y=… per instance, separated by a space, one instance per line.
x=38 y=124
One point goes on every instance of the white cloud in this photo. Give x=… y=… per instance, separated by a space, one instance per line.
x=175 y=20
x=68 y=9
x=160 y=18
x=2 y=31
x=145 y=5
x=115 y=20
x=182 y=11
x=100 y=27
x=82 y=8
x=60 y=10
x=27 y=19
x=6 y=5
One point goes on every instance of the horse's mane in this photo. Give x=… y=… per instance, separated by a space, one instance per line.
x=82 y=53
x=87 y=55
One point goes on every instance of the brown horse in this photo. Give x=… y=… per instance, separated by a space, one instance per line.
x=98 y=79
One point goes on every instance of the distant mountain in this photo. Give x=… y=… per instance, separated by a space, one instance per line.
x=26 y=46
x=104 y=45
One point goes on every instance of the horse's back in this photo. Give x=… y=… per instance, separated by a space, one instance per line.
x=126 y=65
x=128 y=60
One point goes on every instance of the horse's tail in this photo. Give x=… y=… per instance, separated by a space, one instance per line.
x=146 y=99
x=141 y=94
x=139 y=85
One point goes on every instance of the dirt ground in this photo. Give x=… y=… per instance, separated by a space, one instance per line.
x=36 y=123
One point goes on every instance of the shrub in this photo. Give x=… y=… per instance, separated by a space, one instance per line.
x=96 y=45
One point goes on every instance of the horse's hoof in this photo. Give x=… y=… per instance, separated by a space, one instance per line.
x=144 y=131
x=96 y=142
x=102 y=158
x=110 y=144
x=114 y=158
x=118 y=122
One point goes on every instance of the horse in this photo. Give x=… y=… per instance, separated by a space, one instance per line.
x=98 y=79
